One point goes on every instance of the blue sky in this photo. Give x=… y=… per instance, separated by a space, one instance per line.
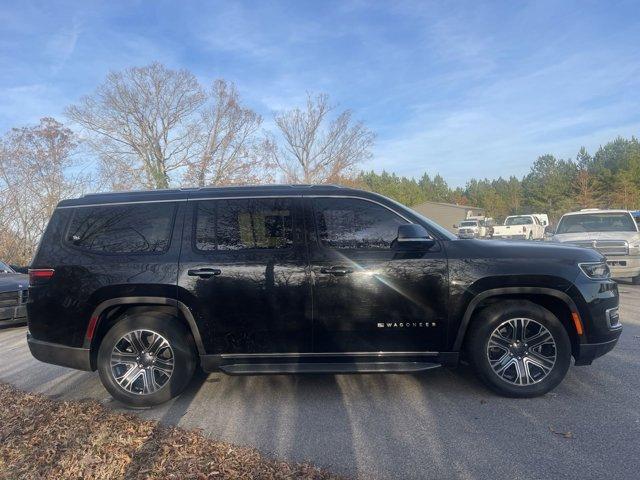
x=466 y=89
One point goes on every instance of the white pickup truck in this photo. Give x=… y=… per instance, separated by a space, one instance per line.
x=521 y=227
x=614 y=233
x=473 y=229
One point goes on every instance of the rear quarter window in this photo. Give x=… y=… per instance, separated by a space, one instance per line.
x=126 y=229
x=244 y=224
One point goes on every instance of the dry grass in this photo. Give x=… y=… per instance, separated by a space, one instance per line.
x=43 y=438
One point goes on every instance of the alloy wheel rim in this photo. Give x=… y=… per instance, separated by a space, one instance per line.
x=521 y=351
x=142 y=362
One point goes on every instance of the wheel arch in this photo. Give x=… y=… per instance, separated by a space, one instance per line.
x=107 y=313
x=556 y=301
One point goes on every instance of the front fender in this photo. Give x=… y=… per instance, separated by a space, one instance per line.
x=506 y=291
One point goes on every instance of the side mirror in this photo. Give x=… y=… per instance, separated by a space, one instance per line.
x=414 y=236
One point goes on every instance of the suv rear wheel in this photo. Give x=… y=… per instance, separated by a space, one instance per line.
x=519 y=349
x=146 y=359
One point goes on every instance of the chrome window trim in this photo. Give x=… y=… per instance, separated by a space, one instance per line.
x=362 y=198
x=414 y=239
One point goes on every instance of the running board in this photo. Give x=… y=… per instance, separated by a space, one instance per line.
x=363 y=367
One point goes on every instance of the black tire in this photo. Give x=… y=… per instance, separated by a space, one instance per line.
x=530 y=235
x=502 y=315
x=181 y=353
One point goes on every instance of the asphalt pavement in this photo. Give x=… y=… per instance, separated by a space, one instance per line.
x=439 y=424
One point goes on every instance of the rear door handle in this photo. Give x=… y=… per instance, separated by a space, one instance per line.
x=204 y=272
x=338 y=271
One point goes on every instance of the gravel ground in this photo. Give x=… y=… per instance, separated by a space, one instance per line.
x=439 y=424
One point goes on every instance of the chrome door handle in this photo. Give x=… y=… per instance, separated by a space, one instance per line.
x=205 y=272
x=338 y=271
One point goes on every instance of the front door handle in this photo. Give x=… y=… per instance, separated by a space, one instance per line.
x=204 y=272
x=337 y=271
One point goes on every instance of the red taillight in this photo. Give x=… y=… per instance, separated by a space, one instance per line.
x=39 y=275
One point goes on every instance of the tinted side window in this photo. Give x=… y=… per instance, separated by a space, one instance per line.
x=135 y=228
x=244 y=224
x=351 y=223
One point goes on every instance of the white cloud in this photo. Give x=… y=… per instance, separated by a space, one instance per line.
x=60 y=46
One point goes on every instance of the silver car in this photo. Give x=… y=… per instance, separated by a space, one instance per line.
x=614 y=233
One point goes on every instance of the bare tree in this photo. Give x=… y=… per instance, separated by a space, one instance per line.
x=37 y=170
x=316 y=149
x=141 y=123
x=229 y=151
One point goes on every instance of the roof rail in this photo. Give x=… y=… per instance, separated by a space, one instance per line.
x=159 y=190
x=213 y=187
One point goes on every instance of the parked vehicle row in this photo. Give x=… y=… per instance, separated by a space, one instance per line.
x=520 y=227
x=614 y=233
x=13 y=296
x=144 y=286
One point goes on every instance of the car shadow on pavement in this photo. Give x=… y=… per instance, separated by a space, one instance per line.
x=348 y=418
x=287 y=416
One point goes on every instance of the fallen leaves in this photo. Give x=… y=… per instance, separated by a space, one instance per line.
x=567 y=434
x=43 y=438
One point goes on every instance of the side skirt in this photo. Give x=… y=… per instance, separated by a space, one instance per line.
x=355 y=362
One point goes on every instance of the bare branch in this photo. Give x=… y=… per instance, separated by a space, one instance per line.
x=316 y=149
x=142 y=118
x=37 y=170
x=229 y=151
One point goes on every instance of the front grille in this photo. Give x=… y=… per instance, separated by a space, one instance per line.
x=9 y=299
x=606 y=247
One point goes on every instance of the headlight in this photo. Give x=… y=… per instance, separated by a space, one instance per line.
x=595 y=270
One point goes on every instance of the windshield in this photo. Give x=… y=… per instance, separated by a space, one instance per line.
x=597 y=222
x=518 y=221
x=4 y=268
x=468 y=224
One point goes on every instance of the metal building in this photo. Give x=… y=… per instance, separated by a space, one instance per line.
x=447 y=214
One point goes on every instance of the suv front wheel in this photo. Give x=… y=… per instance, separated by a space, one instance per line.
x=519 y=348
x=146 y=359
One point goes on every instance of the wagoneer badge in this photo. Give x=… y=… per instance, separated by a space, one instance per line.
x=406 y=325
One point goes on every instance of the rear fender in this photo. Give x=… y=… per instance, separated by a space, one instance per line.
x=98 y=315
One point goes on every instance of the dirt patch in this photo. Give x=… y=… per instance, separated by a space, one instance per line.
x=44 y=438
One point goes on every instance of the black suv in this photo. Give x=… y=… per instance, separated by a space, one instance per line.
x=146 y=286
